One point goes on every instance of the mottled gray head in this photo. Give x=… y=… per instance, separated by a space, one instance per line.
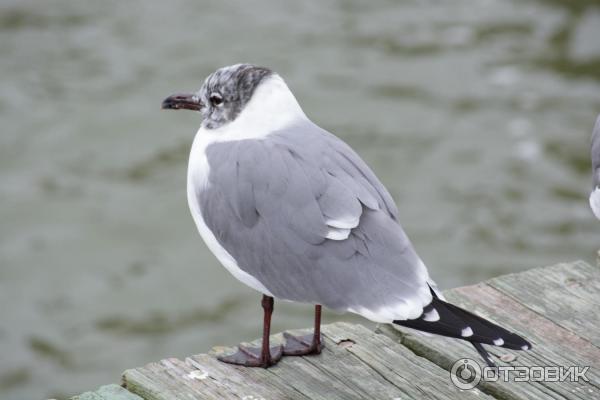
x=223 y=95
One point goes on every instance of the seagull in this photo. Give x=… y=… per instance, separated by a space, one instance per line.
x=595 y=195
x=293 y=212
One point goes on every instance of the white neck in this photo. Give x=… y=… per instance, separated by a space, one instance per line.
x=271 y=108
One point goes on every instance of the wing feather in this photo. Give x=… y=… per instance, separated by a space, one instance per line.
x=303 y=214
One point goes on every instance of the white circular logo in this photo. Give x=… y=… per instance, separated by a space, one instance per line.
x=465 y=374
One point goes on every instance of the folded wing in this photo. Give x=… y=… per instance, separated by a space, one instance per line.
x=303 y=214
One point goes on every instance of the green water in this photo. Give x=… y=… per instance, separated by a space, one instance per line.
x=475 y=115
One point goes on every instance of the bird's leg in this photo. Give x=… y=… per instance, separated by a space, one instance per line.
x=264 y=356
x=307 y=344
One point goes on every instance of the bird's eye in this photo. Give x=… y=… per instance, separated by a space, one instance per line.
x=216 y=99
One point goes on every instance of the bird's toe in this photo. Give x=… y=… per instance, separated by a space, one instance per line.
x=253 y=357
x=301 y=345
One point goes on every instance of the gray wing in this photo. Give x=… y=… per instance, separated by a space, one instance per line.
x=303 y=214
x=596 y=153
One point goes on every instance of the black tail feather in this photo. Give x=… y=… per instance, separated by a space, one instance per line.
x=484 y=354
x=442 y=318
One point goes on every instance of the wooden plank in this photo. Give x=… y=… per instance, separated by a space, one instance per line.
x=413 y=375
x=562 y=344
x=568 y=294
x=245 y=382
x=300 y=375
x=357 y=363
x=108 y=392
x=554 y=307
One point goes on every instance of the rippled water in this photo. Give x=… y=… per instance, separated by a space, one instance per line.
x=476 y=115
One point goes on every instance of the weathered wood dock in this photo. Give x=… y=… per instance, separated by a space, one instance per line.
x=557 y=308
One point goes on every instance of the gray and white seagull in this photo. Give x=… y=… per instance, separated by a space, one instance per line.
x=293 y=212
x=595 y=195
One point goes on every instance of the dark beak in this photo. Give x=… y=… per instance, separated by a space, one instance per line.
x=182 y=101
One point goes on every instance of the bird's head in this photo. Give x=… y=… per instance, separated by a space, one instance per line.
x=224 y=94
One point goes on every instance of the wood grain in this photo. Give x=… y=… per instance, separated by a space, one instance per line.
x=556 y=308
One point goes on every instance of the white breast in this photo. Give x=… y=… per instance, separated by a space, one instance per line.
x=198 y=170
x=271 y=108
